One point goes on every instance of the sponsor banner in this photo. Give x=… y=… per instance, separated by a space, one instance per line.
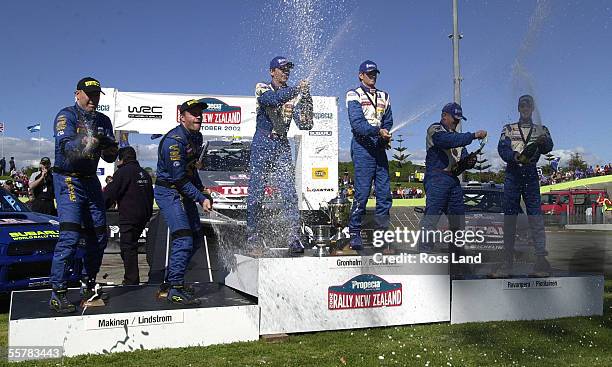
x=110 y=321
x=364 y=291
x=320 y=173
x=156 y=113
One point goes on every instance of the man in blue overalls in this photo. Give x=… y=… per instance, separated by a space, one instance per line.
x=177 y=190
x=369 y=111
x=446 y=158
x=82 y=136
x=520 y=146
x=277 y=105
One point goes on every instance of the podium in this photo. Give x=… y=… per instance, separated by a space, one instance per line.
x=133 y=319
x=307 y=293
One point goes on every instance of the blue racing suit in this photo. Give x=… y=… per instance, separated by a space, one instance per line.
x=443 y=192
x=177 y=190
x=369 y=111
x=78 y=192
x=523 y=180
x=271 y=162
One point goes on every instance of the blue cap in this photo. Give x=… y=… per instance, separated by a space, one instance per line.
x=368 y=66
x=454 y=109
x=279 y=62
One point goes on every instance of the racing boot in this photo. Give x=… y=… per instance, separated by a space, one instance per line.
x=91 y=291
x=542 y=267
x=59 y=302
x=179 y=294
x=356 y=243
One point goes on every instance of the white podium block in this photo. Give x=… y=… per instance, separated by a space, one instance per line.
x=304 y=294
x=223 y=317
x=478 y=300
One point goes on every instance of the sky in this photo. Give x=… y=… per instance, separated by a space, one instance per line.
x=557 y=50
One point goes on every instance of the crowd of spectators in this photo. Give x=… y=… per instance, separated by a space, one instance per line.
x=563 y=175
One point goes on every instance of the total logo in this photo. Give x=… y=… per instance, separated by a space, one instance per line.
x=364 y=291
x=230 y=190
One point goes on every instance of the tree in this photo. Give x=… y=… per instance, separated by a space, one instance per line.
x=576 y=162
x=400 y=157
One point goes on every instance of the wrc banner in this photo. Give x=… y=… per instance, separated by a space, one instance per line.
x=157 y=113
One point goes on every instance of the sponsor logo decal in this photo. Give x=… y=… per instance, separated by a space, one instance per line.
x=319 y=189
x=34 y=235
x=323 y=115
x=145 y=112
x=364 y=291
x=103 y=108
x=321 y=173
x=230 y=190
x=240 y=176
x=217 y=112
x=320 y=133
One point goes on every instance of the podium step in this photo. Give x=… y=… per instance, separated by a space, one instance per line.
x=133 y=318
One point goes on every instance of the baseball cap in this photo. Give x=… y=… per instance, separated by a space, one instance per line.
x=454 y=109
x=88 y=85
x=526 y=99
x=192 y=103
x=279 y=62
x=368 y=66
x=45 y=161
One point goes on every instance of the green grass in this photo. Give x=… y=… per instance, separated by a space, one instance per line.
x=581 y=341
x=399 y=202
x=577 y=183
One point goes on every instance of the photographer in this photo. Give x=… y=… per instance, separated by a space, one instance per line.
x=41 y=188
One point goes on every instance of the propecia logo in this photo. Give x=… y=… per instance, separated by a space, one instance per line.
x=364 y=291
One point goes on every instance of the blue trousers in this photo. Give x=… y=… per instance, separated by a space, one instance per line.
x=444 y=195
x=81 y=210
x=370 y=168
x=181 y=215
x=525 y=183
x=271 y=165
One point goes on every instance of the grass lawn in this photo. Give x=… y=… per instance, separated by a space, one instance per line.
x=584 y=341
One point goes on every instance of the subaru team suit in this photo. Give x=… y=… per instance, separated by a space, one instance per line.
x=177 y=190
x=369 y=111
x=78 y=193
x=443 y=192
x=522 y=179
x=271 y=160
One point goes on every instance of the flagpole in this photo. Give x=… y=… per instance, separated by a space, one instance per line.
x=39 y=141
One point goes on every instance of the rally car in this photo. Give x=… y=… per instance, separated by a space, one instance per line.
x=225 y=172
x=27 y=241
x=484 y=212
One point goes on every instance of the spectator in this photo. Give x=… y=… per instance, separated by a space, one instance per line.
x=41 y=184
x=9 y=186
x=2 y=166
x=12 y=166
x=132 y=188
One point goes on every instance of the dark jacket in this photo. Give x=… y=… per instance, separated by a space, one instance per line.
x=132 y=190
